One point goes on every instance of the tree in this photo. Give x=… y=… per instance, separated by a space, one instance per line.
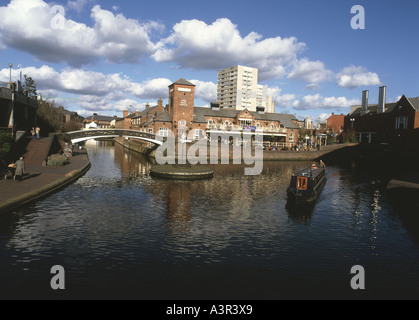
x=30 y=85
x=6 y=143
x=49 y=119
x=348 y=135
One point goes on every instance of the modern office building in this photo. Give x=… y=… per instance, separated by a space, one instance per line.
x=237 y=88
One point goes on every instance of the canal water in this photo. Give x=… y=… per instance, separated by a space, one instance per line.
x=121 y=234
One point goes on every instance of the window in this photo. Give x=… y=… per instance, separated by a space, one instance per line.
x=401 y=122
x=291 y=137
x=198 y=134
x=182 y=124
x=246 y=122
x=163 y=132
x=301 y=183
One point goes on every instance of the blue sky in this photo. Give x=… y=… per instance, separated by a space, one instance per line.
x=108 y=55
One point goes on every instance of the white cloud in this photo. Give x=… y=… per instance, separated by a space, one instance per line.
x=26 y=25
x=195 y=44
x=93 y=91
x=79 y=81
x=150 y=89
x=206 y=91
x=281 y=100
x=356 y=76
x=77 y=5
x=310 y=71
x=91 y=104
x=317 y=101
x=323 y=117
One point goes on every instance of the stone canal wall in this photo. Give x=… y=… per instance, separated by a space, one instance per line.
x=331 y=152
x=135 y=146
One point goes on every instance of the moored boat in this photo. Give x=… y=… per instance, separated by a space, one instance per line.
x=307 y=184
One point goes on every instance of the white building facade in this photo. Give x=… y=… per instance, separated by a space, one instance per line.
x=237 y=88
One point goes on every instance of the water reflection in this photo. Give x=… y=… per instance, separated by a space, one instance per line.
x=232 y=236
x=300 y=212
x=133 y=165
x=178 y=204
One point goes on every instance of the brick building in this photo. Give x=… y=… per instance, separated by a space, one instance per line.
x=99 y=122
x=69 y=116
x=181 y=116
x=392 y=123
x=335 y=123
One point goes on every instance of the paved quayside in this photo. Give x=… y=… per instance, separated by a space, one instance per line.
x=39 y=181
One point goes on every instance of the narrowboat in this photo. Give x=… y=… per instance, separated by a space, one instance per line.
x=306 y=185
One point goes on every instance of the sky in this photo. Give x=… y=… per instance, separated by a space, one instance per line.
x=315 y=57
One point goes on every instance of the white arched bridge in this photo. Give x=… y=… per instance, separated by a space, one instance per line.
x=83 y=135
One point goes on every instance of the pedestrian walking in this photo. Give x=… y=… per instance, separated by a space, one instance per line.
x=33 y=132
x=37 y=130
x=20 y=169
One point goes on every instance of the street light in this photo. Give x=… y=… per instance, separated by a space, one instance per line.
x=10 y=66
x=352 y=122
x=20 y=71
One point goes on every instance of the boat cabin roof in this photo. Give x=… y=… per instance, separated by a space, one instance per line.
x=309 y=172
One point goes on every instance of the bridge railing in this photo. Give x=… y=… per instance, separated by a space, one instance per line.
x=94 y=133
x=5 y=93
x=19 y=97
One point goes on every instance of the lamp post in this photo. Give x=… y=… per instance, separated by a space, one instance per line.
x=20 y=72
x=12 y=123
x=10 y=66
x=352 y=122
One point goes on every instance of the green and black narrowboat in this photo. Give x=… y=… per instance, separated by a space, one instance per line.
x=307 y=184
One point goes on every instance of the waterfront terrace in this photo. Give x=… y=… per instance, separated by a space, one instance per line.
x=196 y=122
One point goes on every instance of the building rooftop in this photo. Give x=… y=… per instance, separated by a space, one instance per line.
x=285 y=119
x=61 y=110
x=101 y=118
x=389 y=107
x=184 y=82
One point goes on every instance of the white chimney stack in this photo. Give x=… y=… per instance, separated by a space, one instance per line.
x=364 y=101
x=381 y=100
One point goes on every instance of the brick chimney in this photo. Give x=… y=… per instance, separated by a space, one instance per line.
x=147 y=106
x=137 y=112
x=125 y=114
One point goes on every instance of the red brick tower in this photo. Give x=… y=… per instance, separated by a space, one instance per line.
x=181 y=105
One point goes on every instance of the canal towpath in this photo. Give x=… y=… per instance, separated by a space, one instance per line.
x=39 y=181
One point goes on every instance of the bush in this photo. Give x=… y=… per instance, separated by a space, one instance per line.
x=57 y=160
x=6 y=143
x=6 y=147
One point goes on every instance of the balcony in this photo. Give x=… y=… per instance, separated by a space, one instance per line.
x=224 y=127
